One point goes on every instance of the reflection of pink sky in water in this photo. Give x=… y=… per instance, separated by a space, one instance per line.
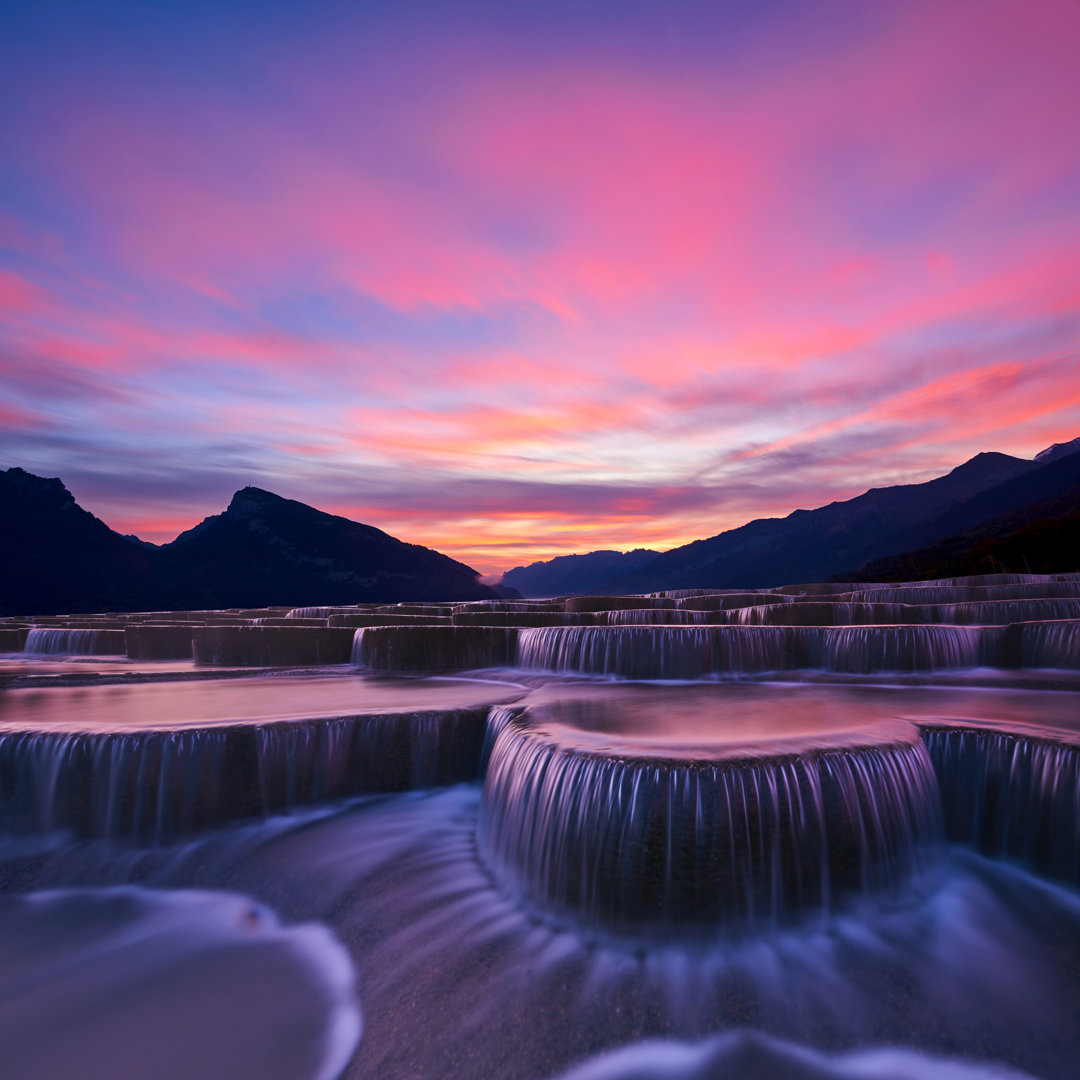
x=211 y=702
x=640 y=719
x=745 y=720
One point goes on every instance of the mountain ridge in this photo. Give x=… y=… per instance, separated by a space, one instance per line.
x=817 y=544
x=567 y=574
x=263 y=549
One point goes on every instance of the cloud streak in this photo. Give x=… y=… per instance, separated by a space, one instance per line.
x=514 y=286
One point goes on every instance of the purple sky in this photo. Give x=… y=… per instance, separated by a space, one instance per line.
x=516 y=281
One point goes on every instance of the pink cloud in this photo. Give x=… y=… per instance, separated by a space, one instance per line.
x=563 y=266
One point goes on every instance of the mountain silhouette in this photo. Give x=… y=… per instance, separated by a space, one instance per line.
x=816 y=545
x=268 y=550
x=57 y=557
x=262 y=550
x=568 y=574
x=1030 y=525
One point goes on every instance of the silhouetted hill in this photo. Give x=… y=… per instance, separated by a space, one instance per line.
x=57 y=557
x=815 y=545
x=1058 y=450
x=263 y=550
x=1040 y=536
x=268 y=550
x=581 y=574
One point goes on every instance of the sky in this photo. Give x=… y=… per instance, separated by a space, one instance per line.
x=521 y=280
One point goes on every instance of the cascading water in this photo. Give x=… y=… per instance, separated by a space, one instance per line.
x=824 y=614
x=732 y=601
x=535 y=618
x=601 y=827
x=372 y=619
x=507 y=606
x=1050 y=644
x=74 y=642
x=1010 y=795
x=865 y=649
x=610 y=603
x=152 y=786
x=655 y=617
x=999 y=612
x=962 y=593
x=659 y=845
x=319 y=612
x=640 y=652
x=975 y=613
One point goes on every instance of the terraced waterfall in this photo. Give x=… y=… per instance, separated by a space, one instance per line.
x=789 y=830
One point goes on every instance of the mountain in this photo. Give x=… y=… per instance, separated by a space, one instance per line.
x=815 y=545
x=268 y=550
x=58 y=558
x=1058 y=450
x=579 y=574
x=1040 y=536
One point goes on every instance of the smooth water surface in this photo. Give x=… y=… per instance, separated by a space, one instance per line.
x=202 y=703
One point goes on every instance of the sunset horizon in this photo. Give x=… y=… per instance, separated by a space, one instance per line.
x=515 y=285
x=540 y=540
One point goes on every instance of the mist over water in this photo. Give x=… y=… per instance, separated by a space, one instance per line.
x=458 y=977
x=134 y=982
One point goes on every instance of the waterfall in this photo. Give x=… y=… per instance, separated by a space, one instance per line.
x=414 y=609
x=534 y=618
x=610 y=603
x=644 y=652
x=826 y=613
x=152 y=786
x=79 y=642
x=866 y=649
x=286 y=620
x=999 y=612
x=1050 y=644
x=319 y=612
x=961 y=593
x=730 y=601
x=727 y=845
x=372 y=619
x=652 y=617
x=1011 y=795
x=506 y=606
x=633 y=652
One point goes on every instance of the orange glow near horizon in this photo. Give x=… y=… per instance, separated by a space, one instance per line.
x=593 y=288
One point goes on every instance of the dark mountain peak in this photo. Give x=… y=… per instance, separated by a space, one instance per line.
x=983 y=470
x=985 y=462
x=266 y=546
x=58 y=557
x=250 y=496
x=43 y=492
x=1057 y=451
x=263 y=549
x=575 y=573
x=251 y=501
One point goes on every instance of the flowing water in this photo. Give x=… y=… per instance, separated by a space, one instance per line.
x=814 y=844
